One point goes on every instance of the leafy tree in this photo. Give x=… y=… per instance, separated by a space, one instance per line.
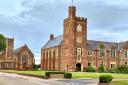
x=36 y=66
x=101 y=69
x=2 y=42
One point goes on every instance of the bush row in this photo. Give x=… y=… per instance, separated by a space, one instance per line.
x=101 y=69
x=66 y=74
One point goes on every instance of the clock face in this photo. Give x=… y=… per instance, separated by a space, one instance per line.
x=79 y=28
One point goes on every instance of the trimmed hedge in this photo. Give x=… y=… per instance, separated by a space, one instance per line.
x=66 y=74
x=105 y=78
x=90 y=69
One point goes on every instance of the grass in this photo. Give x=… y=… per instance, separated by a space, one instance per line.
x=39 y=73
x=123 y=82
x=96 y=75
x=74 y=74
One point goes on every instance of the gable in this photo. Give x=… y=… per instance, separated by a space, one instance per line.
x=21 y=49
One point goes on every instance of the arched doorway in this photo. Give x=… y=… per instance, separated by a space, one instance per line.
x=24 y=66
x=78 y=67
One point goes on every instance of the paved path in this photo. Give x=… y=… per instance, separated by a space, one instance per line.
x=14 y=79
x=80 y=81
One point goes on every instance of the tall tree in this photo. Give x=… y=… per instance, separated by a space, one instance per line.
x=2 y=42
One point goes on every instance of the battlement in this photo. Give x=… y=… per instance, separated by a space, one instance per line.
x=72 y=7
x=81 y=18
x=10 y=39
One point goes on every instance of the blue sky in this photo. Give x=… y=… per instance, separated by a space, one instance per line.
x=32 y=21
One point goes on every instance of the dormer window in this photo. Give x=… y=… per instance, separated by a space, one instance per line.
x=90 y=52
x=113 y=53
x=125 y=53
x=101 y=52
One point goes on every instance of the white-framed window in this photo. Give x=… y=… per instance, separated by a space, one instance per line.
x=126 y=53
x=79 y=51
x=102 y=52
x=113 y=53
x=113 y=65
x=90 y=52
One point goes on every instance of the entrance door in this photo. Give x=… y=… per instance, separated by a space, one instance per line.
x=24 y=66
x=78 y=67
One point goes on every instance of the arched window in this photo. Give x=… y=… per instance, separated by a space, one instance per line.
x=24 y=58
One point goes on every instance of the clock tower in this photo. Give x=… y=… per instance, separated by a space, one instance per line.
x=74 y=42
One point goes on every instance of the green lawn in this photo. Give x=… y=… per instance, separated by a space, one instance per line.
x=74 y=74
x=123 y=82
x=39 y=73
x=96 y=75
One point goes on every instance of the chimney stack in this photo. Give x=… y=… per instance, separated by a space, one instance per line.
x=51 y=36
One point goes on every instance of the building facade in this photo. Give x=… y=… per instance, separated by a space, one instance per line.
x=19 y=59
x=72 y=51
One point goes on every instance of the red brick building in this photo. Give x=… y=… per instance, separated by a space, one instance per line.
x=19 y=59
x=72 y=51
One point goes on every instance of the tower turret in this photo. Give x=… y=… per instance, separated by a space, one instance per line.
x=9 y=47
x=72 y=11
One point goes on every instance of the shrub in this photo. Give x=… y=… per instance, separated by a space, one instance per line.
x=36 y=66
x=66 y=74
x=90 y=69
x=123 y=69
x=105 y=78
x=52 y=72
x=101 y=69
x=113 y=71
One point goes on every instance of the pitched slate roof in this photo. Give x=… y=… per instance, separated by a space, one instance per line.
x=95 y=44
x=54 y=42
x=91 y=44
x=17 y=50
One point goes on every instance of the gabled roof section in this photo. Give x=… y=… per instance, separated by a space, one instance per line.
x=18 y=50
x=54 y=42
